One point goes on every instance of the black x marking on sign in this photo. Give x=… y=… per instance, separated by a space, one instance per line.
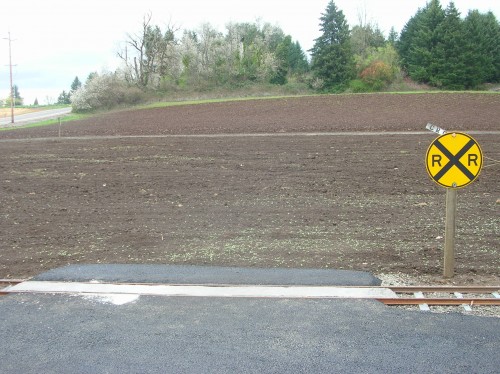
x=454 y=160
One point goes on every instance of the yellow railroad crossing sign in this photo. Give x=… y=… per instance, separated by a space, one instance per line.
x=454 y=160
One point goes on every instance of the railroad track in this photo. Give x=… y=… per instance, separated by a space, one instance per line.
x=423 y=296
x=465 y=297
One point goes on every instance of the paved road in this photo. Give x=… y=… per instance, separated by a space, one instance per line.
x=147 y=334
x=24 y=119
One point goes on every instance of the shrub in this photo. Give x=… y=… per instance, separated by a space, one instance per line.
x=377 y=72
x=358 y=86
x=105 y=91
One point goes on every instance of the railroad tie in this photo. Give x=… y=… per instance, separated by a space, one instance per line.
x=423 y=307
x=466 y=307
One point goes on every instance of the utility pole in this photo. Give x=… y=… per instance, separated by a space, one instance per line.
x=11 y=85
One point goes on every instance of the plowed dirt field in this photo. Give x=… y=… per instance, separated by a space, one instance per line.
x=324 y=182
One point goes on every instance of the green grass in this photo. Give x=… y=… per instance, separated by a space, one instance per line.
x=163 y=104
x=438 y=92
x=48 y=122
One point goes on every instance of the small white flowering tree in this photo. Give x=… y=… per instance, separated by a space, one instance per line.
x=104 y=91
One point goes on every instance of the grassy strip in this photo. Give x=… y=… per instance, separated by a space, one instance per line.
x=440 y=92
x=48 y=122
x=164 y=104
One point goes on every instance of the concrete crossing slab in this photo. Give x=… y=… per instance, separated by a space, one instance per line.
x=304 y=292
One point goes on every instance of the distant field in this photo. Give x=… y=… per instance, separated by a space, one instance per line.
x=6 y=112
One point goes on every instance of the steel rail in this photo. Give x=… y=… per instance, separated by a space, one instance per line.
x=447 y=289
x=458 y=300
x=440 y=301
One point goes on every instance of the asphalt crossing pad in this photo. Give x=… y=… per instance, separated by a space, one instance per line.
x=185 y=274
x=81 y=334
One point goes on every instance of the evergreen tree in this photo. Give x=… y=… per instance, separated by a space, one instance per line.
x=475 y=50
x=491 y=32
x=408 y=33
x=418 y=41
x=440 y=48
x=482 y=48
x=64 y=98
x=297 y=59
x=18 y=100
x=76 y=84
x=393 y=37
x=290 y=59
x=281 y=53
x=448 y=66
x=332 y=58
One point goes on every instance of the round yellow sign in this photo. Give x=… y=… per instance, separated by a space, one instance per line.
x=454 y=160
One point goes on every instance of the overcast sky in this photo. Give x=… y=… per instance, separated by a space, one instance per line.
x=56 y=40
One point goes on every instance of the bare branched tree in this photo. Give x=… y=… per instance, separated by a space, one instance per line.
x=148 y=54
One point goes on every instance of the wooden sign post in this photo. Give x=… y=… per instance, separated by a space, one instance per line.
x=449 y=233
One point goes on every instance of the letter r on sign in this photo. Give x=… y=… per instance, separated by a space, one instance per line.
x=473 y=159
x=436 y=159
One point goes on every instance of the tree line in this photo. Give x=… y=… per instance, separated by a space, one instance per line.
x=246 y=52
x=436 y=47
x=14 y=98
x=440 y=48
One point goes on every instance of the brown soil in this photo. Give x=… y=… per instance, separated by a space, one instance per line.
x=360 y=202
